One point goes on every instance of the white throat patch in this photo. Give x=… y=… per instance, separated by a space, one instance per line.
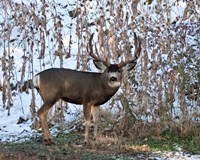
x=114 y=84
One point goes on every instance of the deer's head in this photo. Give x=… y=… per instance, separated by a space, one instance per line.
x=112 y=73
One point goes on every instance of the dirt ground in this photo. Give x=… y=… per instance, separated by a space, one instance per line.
x=8 y=155
x=20 y=155
x=71 y=146
x=72 y=152
x=82 y=153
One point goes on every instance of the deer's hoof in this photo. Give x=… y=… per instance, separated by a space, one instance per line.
x=86 y=143
x=48 y=141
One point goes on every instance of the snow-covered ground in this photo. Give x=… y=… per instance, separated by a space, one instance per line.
x=178 y=155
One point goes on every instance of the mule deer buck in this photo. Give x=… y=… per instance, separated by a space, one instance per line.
x=87 y=88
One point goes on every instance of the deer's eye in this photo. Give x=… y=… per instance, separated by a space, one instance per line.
x=119 y=71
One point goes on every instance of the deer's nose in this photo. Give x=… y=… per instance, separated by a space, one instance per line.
x=113 y=79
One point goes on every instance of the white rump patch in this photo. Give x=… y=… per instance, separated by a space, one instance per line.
x=36 y=81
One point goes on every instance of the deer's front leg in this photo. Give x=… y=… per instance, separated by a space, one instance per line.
x=42 y=114
x=87 y=117
x=95 y=114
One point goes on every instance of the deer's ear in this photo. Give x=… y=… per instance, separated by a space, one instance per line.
x=99 y=65
x=129 y=66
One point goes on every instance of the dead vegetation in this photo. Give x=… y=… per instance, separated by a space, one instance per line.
x=163 y=93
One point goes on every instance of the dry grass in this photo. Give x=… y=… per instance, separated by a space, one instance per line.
x=163 y=74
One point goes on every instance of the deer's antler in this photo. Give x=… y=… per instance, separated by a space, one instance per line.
x=91 y=53
x=137 y=44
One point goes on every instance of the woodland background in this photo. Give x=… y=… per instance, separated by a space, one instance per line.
x=161 y=94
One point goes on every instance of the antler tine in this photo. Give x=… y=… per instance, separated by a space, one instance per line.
x=137 y=46
x=137 y=43
x=91 y=53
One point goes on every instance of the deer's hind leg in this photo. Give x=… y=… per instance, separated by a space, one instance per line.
x=42 y=114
